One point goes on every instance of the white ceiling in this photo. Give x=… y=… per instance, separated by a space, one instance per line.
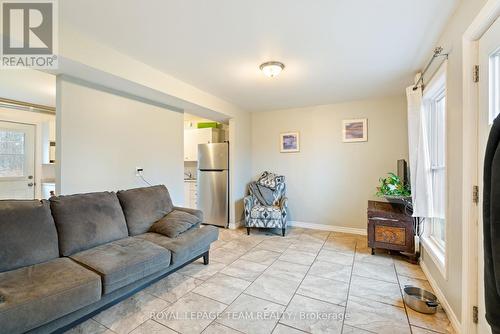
x=334 y=50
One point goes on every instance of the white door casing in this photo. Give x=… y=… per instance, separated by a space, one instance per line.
x=470 y=165
x=17 y=160
x=489 y=44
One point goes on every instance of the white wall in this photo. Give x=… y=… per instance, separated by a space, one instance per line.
x=102 y=137
x=240 y=161
x=82 y=57
x=451 y=41
x=329 y=182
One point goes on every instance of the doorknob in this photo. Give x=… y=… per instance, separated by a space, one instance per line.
x=30 y=177
x=31 y=184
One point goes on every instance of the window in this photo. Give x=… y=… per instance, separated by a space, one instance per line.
x=11 y=153
x=436 y=133
x=435 y=116
x=494 y=86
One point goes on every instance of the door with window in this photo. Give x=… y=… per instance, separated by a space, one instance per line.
x=17 y=160
x=489 y=109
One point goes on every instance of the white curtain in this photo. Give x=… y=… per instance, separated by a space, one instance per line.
x=420 y=169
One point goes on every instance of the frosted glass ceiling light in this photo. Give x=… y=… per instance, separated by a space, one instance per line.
x=272 y=69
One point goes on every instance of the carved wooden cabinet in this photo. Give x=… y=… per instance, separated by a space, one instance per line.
x=390 y=227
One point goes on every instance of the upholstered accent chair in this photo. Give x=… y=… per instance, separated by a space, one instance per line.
x=266 y=206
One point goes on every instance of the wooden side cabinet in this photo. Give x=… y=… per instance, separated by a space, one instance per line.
x=390 y=227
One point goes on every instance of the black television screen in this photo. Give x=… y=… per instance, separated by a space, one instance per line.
x=403 y=172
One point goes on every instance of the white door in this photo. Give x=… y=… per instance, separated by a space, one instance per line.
x=489 y=107
x=17 y=160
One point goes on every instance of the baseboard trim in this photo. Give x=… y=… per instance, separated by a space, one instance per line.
x=442 y=299
x=333 y=228
x=236 y=225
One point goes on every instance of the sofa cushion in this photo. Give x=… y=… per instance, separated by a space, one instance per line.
x=175 y=223
x=125 y=261
x=40 y=293
x=144 y=206
x=87 y=220
x=187 y=245
x=28 y=234
x=194 y=212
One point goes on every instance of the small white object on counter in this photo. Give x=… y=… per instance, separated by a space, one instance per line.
x=47 y=187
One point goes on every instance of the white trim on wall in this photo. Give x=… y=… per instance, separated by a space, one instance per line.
x=442 y=299
x=234 y=225
x=333 y=228
x=479 y=26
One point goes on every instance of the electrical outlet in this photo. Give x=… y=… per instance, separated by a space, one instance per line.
x=138 y=171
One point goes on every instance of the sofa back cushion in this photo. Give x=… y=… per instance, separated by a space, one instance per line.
x=84 y=221
x=28 y=234
x=144 y=206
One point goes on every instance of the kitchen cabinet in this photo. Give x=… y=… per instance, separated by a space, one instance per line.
x=190 y=194
x=193 y=137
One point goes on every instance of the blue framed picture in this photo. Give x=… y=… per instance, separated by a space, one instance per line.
x=289 y=142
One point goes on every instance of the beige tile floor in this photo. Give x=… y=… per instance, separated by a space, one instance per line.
x=309 y=281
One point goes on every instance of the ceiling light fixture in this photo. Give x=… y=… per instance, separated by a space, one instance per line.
x=272 y=69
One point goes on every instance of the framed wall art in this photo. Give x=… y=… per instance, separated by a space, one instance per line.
x=355 y=130
x=289 y=142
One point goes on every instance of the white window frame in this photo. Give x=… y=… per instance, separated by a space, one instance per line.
x=494 y=76
x=435 y=90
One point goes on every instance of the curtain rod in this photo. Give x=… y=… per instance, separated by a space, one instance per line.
x=31 y=106
x=438 y=52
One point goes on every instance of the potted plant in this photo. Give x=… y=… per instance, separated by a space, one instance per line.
x=394 y=190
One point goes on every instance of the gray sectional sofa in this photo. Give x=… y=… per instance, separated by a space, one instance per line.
x=64 y=260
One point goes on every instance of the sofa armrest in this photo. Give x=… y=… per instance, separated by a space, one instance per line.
x=194 y=212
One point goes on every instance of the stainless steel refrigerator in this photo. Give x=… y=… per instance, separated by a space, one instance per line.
x=213 y=183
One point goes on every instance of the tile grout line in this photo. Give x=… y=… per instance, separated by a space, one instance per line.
x=215 y=320
x=319 y=300
x=165 y=326
x=291 y=327
x=103 y=325
x=292 y=242
x=402 y=297
x=191 y=291
x=227 y=306
x=376 y=279
x=169 y=303
x=349 y=286
x=298 y=286
x=243 y=292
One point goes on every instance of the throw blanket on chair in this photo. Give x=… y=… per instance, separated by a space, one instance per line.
x=263 y=194
x=266 y=206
